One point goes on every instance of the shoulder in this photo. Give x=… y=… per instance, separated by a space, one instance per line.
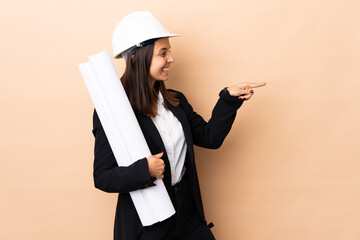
x=180 y=95
x=96 y=120
x=95 y=117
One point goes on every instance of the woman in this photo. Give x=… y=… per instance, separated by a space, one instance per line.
x=170 y=127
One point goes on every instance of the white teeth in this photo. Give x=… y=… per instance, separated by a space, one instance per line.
x=165 y=69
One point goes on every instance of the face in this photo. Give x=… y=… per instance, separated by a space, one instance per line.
x=161 y=60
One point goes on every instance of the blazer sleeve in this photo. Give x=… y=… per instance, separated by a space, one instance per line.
x=211 y=134
x=108 y=176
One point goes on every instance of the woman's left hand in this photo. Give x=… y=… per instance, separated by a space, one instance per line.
x=244 y=90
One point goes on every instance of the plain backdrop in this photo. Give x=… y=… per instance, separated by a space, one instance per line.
x=289 y=168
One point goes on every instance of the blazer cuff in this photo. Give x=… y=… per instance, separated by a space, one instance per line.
x=142 y=169
x=224 y=94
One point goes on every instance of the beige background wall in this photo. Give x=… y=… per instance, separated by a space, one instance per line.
x=289 y=168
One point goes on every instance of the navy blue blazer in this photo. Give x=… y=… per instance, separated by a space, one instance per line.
x=109 y=177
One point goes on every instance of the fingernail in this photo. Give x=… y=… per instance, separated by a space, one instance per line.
x=252 y=91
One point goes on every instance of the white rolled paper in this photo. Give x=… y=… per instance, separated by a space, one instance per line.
x=126 y=139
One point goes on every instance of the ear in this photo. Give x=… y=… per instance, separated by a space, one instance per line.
x=133 y=58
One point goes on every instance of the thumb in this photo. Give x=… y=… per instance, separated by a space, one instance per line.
x=159 y=155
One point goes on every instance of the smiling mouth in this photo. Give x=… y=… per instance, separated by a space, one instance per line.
x=165 y=69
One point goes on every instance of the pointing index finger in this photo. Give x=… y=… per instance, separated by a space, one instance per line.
x=256 y=85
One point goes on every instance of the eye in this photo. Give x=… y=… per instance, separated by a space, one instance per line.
x=163 y=54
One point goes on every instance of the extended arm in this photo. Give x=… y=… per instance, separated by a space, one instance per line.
x=211 y=134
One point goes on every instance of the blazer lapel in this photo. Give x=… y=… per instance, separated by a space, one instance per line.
x=180 y=115
x=147 y=125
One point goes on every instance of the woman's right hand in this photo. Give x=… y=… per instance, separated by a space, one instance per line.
x=156 y=165
x=244 y=90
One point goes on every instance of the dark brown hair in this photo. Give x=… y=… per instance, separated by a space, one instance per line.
x=136 y=81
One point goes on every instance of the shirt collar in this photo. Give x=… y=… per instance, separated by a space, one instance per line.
x=160 y=98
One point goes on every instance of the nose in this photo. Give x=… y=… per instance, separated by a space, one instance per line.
x=170 y=59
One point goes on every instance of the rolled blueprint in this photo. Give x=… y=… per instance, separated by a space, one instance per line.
x=122 y=129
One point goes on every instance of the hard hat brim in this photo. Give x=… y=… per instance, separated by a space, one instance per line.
x=119 y=55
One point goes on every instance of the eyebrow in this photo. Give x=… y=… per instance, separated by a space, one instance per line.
x=163 y=49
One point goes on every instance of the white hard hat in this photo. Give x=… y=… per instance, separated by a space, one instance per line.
x=136 y=28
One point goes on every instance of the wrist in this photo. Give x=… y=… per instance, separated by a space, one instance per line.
x=225 y=94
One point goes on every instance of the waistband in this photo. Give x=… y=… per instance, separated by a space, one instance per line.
x=182 y=184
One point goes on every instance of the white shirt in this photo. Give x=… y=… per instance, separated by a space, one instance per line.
x=173 y=137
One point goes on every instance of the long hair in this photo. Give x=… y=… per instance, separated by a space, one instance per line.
x=136 y=81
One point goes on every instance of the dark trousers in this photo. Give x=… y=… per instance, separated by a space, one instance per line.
x=186 y=224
